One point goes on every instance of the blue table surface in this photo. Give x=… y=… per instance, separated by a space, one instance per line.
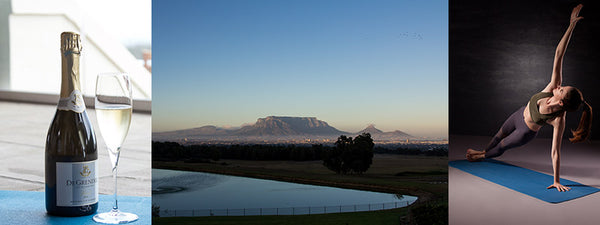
x=28 y=207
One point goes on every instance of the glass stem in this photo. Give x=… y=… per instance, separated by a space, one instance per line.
x=114 y=172
x=116 y=206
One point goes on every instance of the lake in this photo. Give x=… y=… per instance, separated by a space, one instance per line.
x=183 y=193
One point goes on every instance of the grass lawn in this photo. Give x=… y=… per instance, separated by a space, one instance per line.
x=383 y=217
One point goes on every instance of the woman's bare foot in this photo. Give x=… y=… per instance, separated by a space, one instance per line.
x=474 y=155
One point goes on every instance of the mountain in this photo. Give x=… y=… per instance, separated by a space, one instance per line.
x=380 y=135
x=286 y=126
x=371 y=130
x=193 y=132
x=398 y=133
x=278 y=127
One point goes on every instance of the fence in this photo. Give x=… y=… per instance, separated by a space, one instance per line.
x=284 y=211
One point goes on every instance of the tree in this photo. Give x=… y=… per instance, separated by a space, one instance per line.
x=354 y=156
x=333 y=158
x=362 y=153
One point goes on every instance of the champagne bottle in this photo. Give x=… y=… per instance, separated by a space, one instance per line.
x=71 y=155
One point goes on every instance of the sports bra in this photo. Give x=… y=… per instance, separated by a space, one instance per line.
x=536 y=116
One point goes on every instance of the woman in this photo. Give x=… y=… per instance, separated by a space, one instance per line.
x=547 y=107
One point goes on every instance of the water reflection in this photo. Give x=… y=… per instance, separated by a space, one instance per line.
x=167 y=181
x=399 y=196
x=186 y=191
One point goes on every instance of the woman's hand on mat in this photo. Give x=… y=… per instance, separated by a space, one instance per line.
x=559 y=187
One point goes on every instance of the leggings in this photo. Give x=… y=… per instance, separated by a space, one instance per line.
x=513 y=133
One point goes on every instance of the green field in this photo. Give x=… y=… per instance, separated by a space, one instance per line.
x=422 y=176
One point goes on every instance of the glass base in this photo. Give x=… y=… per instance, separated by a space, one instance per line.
x=115 y=217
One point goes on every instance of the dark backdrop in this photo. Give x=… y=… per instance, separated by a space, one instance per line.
x=501 y=53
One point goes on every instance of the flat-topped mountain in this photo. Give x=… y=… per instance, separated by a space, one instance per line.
x=275 y=126
x=286 y=125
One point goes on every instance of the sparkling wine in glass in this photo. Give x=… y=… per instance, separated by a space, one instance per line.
x=113 y=111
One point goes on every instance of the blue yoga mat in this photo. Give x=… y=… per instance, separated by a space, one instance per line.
x=523 y=180
x=29 y=207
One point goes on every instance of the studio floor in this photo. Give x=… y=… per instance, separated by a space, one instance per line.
x=474 y=200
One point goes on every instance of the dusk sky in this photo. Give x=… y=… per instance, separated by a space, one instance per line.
x=349 y=63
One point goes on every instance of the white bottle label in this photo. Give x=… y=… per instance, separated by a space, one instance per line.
x=76 y=183
x=74 y=102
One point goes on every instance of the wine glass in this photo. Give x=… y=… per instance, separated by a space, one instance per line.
x=113 y=111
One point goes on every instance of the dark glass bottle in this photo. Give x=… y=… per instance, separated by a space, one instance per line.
x=71 y=154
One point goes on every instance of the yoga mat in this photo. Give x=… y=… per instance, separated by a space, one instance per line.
x=29 y=207
x=523 y=180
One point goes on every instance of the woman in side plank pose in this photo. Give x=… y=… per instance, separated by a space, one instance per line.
x=547 y=107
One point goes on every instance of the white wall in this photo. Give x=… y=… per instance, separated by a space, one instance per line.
x=5 y=10
x=34 y=28
x=35 y=52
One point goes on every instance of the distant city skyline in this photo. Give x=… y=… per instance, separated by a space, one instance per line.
x=349 y=63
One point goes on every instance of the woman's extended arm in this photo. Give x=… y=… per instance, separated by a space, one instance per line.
x=559 y=128
x=556 y=79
